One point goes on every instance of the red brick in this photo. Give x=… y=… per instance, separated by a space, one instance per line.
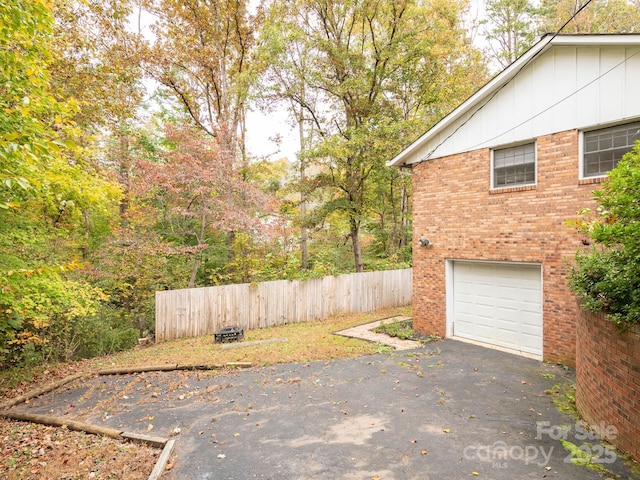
x=456 y=209
x=610 y=393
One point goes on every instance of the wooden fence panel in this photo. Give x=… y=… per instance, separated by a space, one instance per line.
x=202 y=311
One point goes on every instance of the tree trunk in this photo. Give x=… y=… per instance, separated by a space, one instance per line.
x=123 y=174
x=303 y=196
x=194 y=272
x=200 y=239
x=87 y=233
x=404 y=237
x=396 y=230
x=355 y=240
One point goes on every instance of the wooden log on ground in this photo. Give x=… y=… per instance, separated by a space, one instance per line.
x=157 y=442
x=171 y=367
x=41 y=391
x=214 y=366
x=148 y=368
x=239 y=364
x=158 y=470
x=62 y=422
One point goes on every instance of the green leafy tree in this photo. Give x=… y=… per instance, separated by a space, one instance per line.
x=95 y=62
x=510 y=29
x=30 y=116
x=600 y=16
x=52 y=196
x=607 y=278
x=368 y=76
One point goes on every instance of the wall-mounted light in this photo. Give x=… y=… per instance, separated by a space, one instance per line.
x=425 y=242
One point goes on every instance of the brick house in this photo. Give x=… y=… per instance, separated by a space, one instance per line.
x=496 y=180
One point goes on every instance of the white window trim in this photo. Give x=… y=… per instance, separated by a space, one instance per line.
x=511 y=145
x=581 y=175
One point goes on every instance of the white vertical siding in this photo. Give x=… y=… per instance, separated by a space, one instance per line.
x=564 y=88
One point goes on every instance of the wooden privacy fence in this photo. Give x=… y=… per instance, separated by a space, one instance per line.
x=202 y=311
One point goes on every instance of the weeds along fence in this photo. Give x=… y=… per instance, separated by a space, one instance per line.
x=202 y=311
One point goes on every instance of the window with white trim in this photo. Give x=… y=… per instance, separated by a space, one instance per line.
x=514 y=166
x=602 y=149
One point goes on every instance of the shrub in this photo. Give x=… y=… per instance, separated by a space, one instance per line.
x=45 y=317
x=607 y=278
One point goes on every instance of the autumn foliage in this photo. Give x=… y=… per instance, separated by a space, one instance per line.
x=124 y=166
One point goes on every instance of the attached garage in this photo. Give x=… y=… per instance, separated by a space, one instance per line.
x=496 y=304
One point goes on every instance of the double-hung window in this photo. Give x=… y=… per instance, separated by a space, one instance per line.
x=514 y=166
x=602 y=149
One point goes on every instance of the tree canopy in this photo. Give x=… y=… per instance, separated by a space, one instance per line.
x=366 y=77
x=123 y=164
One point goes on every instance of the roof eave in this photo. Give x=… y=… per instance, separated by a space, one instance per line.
x=469 y=104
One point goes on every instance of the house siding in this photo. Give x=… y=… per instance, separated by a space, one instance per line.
x=566 y=87
x=456 y=209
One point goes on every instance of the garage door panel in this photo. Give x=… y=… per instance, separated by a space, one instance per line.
x=484 y=291
x=531 y=333
x=499 y=304
x=505 y=324
x=531 y=321
x=484 y=334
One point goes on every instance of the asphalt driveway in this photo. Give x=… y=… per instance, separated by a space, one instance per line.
x=448 y=410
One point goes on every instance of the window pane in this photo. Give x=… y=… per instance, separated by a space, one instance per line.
x=620 y=139
x=604 y=148
x=514 y=166
x=606 y=166
x=605 y=142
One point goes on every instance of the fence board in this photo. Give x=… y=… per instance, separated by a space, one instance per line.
x=202 y=311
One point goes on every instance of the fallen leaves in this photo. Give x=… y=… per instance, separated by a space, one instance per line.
x=39 y=451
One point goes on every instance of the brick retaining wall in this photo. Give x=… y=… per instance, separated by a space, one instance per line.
x=608 y=379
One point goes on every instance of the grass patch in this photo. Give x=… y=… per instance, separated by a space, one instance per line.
x=582 y=455
x=402 y=329
x=305 y=342
x=564 y=396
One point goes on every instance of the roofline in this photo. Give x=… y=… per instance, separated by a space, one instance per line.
x=485 y=92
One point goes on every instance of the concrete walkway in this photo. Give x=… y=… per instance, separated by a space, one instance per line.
x=365 y=332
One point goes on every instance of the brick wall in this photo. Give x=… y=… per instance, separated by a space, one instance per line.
x=608 y=379
x=454 y=207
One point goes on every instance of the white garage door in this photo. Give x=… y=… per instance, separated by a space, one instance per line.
x=499 y=304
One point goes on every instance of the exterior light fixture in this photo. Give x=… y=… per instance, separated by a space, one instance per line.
x=425 y=242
